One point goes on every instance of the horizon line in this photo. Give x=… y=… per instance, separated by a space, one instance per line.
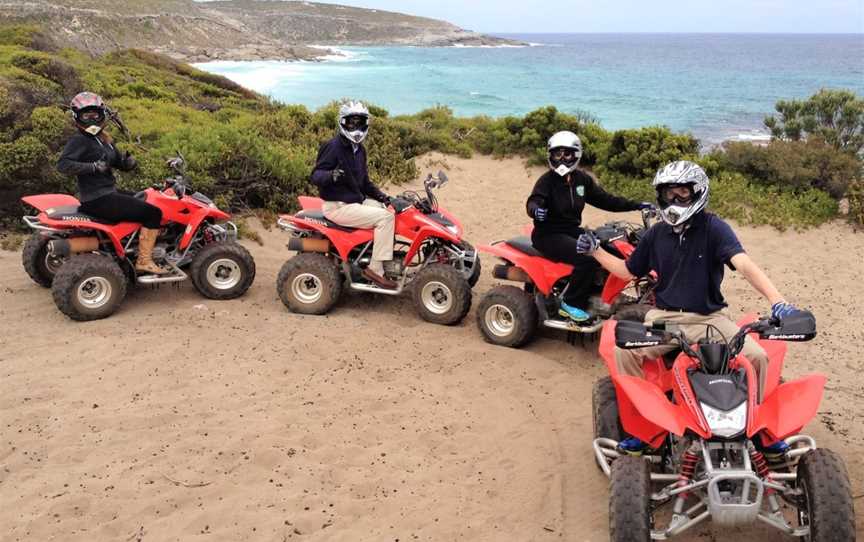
x=779 y=33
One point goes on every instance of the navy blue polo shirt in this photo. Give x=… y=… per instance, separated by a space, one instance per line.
x=689 y=265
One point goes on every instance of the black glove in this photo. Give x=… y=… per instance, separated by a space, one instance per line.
x=646 y=205
x=540 y=214
x=101 y=166
x=336 y=174
x=129 y=162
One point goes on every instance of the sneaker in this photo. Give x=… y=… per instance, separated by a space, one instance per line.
x=776 y=452
x=573 y=313
x=632 y=446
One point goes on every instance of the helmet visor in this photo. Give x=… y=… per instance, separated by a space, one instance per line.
x=562 y=156
x=677 y=194
x=354 y=123
x=91 y=116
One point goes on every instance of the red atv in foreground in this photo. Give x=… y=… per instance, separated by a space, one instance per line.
x=509 y=315
x=697 y=409
x=88 y=262
x=429 y=256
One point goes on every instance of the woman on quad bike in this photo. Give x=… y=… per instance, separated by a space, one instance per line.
x=556 y=205
x=91 y=156
x=688 y=249
x=350 y=198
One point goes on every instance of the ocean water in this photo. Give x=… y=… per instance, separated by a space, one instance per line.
x=716 y=86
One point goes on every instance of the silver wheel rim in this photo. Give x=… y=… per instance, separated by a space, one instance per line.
x=436 y=297
x=307 y=288
x=224 y=274
x=94 y=292
x=500 y=320
x=53 y=263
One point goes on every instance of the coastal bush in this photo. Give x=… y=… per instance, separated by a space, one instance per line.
x=641 y=152
x=834 y=115
x=793 y=165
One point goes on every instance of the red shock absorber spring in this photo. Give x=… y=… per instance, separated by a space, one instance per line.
x=688 y=467
x=759 y=463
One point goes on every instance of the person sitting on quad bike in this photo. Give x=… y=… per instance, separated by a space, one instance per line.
x=350 y=198
x=92 y=156
x=688 y=249
x=556 y=205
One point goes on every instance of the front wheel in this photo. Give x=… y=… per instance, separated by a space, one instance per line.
x=223 y=270
x=441 y=294
x=630 y=516
x=38 y=262
x=89 y=287
x=474 y=275
x=507 y=316
x=309 y=283
x=827 y=504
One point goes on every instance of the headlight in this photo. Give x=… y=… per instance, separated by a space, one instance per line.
x=726 y=423
x=452 y=229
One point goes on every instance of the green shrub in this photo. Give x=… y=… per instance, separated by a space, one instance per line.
x=835 y=116
x=643 y=151
x=793 y=165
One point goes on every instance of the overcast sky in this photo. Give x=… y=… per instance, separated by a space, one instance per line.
x=818 y=16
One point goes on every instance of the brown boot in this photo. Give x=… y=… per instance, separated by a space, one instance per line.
x=145 y=264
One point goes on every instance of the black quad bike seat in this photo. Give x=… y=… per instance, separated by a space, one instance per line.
x=318 y=217
x=70 y=213
x=523 y=244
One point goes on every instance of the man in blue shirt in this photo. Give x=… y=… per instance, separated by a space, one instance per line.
x=688 y=250
x=350 y=198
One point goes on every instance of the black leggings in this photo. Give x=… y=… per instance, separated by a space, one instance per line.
x=119 y=207
x=561 y=247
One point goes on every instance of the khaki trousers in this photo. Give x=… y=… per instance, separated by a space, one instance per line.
x=369 y=214
x=629 y=362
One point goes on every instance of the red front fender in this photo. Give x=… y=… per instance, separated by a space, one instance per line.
x=647 y=414
x=789 y=407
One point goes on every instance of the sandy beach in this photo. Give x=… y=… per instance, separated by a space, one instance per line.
x=181 y=418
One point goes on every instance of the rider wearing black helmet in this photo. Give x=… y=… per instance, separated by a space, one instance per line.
x=91 y=156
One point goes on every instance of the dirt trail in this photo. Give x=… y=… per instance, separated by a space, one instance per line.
x=180 y=417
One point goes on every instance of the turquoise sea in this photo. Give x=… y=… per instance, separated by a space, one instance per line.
x=717 y=86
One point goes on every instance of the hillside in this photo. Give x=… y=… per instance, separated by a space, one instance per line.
x=235 y=29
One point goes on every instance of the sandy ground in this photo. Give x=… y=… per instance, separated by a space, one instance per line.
x=181 y=418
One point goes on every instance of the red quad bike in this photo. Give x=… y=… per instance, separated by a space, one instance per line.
x=697 y=409
x=429 y=256
x=88 y=262
x=509 y=315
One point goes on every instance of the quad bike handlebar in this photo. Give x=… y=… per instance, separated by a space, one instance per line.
x=426 y=205
x=715 y=350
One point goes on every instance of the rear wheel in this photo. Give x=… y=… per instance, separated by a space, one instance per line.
x=89 y=287
x=630 y=500
x=441 y=294
x=309 y=283
x=38 y=262
x=223 y=270
x=507 y=316
x=827 y=501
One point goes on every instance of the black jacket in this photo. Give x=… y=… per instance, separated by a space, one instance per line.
x=565 y=200
x=77 y=158
x=354 y=185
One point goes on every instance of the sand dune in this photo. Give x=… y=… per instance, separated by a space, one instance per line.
x=181 y=418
